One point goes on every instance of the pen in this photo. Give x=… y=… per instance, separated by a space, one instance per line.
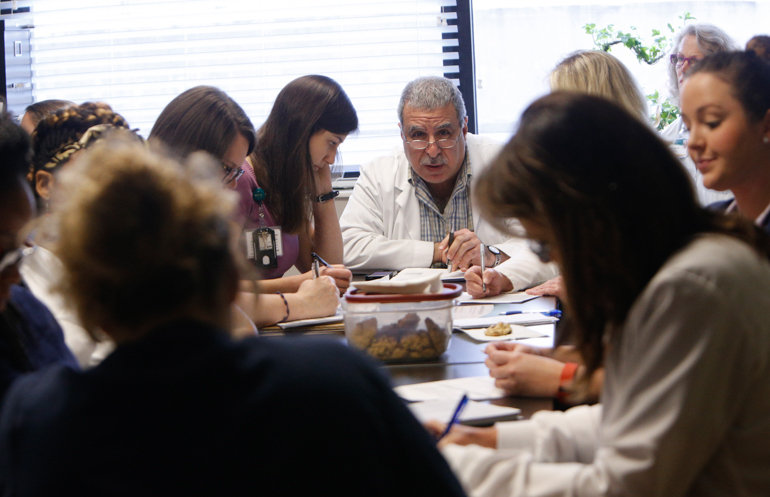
x=451 y=241
x=553 y=313
x=316 y=269
x=455 y=416
x=319 y=259
x=483 y=253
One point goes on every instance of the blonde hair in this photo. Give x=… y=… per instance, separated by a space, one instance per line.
x=599 y=73
x=142 y=237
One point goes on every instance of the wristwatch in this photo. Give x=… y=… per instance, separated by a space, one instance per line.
x=327 y=196
x=496 y=252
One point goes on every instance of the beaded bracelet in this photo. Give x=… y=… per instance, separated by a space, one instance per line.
x=286 y=303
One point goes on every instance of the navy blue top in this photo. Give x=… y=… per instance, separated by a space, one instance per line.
x=722 y=205
x=30 y=338
x=187 y=411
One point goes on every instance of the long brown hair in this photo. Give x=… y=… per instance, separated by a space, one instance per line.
x=202 y=118
x=281 y=159
x=616 y=201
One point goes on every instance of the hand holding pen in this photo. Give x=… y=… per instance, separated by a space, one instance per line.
x=316 y=267
x=462 y=248
x=342 y=276
x=483 y=267
x=456 y=416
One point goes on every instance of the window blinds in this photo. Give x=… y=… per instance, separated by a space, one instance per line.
x=137 y=55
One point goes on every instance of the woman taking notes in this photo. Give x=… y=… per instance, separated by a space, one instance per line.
x=179 y=408
x=207 y=119
x=671 y=299
x=286 y=193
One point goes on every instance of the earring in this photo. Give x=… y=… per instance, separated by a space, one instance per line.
x=766 y=140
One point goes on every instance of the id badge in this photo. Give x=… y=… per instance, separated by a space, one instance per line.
x=263 y=246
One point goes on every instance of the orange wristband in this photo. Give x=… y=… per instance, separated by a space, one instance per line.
x=567 y=375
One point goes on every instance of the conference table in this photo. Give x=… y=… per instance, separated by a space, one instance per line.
x=464 y=356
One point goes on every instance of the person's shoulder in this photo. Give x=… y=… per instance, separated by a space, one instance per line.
x=314 y=361
x=385 y=164
x=482 y=141
x=34 y=311
x=481 y=150
x=719 y=262
x=720 y=205
x=41 y=392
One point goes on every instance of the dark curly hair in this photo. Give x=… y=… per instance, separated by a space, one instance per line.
x=67 y=126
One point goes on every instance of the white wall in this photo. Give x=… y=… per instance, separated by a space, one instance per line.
x=518 y=44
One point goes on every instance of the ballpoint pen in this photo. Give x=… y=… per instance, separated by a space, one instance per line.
x=319 y=259
x=316 y=268
x=483 y=267
x=456 y=415
x=555 y=313
x=449 y=244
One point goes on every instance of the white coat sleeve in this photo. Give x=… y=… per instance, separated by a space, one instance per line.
x=523 y=464
x=673 y=388
x=365 y=238
x=524 y=269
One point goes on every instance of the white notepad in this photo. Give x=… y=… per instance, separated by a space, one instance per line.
x=503 y=298
x=525 y=319
x=474 y=414
x=476 y=387
x=420 y=272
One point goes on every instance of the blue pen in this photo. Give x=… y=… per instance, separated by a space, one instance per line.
x=456 y=415
x=553 y=313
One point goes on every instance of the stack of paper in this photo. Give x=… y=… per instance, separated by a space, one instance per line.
x=476 y=387
x=503 y=298
x=474 y=414
x=525 y=319
x=438 y=400
x=420 y=272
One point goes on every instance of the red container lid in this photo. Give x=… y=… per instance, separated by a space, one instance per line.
x=450 y=291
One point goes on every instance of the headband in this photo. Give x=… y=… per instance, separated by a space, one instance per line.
x=91 y=135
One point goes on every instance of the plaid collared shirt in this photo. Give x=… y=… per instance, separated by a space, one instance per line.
x=458 y=213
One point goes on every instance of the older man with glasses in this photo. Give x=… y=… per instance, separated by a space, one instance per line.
x=414 y=208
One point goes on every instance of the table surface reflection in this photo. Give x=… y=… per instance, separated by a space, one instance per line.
x=464 y=358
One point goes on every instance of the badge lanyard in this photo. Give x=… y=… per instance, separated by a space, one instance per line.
x=263 y=245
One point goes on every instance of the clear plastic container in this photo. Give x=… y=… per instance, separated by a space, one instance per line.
x=400 y=328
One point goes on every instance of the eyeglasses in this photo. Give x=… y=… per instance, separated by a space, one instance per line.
x=423 y=144
x=541 y=250
x=231 y=173
x=14 y=257
x=678 y=59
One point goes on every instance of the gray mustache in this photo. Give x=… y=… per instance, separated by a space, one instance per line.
x=435 y=161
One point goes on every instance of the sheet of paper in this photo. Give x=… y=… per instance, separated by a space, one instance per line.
x=471 y=311
x=477 y=388
x=473 y=414
x=337 y=318
x=503 y=298
x=517 y=333
x=427 y=283
x=420 y=272
x=525 y=319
